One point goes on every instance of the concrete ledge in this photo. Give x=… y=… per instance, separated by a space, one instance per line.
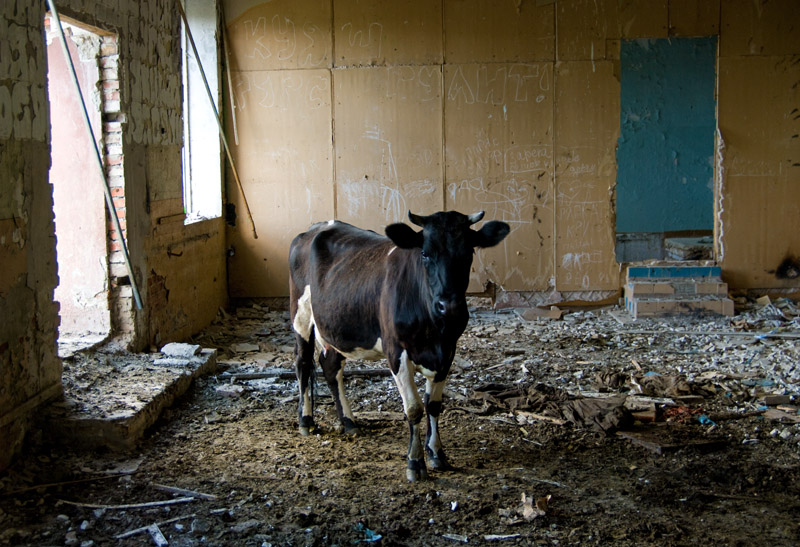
x=106 y=423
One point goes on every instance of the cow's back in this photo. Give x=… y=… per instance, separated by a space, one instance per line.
x=337 y=271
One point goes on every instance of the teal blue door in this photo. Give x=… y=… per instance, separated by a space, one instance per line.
x=665 y=154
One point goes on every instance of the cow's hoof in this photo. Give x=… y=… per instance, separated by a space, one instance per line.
x=439 y=461
x=350 y=428
x=306 y=425
x=416 y=471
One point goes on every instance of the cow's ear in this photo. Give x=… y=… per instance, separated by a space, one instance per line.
x=492 y=233
x=404 y=236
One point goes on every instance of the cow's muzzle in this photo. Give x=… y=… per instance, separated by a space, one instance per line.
x=444 y=307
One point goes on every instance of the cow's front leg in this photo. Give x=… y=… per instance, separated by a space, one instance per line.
x=433 y=407
x=412 y=405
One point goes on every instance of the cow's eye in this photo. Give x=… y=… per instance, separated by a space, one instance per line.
x=425 y=256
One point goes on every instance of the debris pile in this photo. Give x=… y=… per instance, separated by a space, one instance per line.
x=551 y=419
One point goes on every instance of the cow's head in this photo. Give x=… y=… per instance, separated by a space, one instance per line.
x=446 y=243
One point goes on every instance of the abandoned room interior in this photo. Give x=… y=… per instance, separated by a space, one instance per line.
x=157 y=157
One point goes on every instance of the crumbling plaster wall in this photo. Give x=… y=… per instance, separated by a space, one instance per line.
x=362 y=111
x=758 y=221
x=30 y=371
x=187 y=261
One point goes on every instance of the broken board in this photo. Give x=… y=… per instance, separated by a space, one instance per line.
x=661 y=439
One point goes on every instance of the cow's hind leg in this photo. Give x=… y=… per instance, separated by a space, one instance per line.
x=433 y=407
x=304 y=368
x=404 y=378
x=332 y=363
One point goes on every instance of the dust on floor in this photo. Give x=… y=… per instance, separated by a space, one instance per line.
x=583 y=430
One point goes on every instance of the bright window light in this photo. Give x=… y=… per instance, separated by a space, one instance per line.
x=202 y=167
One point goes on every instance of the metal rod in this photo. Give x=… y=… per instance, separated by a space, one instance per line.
x=216 y=116
x=112 y=211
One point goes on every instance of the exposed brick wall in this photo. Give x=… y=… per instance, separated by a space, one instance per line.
x=122 y=306
x=140 y=93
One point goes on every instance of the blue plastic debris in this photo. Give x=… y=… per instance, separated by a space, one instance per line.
x=761 y=382
x=370 y=536
x=705 y=420
x=765 y=335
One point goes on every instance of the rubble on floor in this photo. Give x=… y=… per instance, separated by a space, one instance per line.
x=568 y=427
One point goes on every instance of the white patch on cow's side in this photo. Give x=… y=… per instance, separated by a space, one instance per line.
x=393 y=249
x=304 y=318
x=412 y=404
x=346 y=410
x=331 y=222
x=372 y=354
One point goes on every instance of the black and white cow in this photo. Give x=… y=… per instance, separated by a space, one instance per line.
x=358 y=294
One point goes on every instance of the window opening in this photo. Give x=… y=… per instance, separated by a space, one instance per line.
x=89 y=263
x=202 y=154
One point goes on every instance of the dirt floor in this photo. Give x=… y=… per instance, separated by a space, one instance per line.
x=571 y=431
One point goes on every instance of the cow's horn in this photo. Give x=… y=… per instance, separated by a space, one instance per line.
x=475 y=217
x=416 y=219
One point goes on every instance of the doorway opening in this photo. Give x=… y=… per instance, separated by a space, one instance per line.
x=86 y=242
x=666 y=149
